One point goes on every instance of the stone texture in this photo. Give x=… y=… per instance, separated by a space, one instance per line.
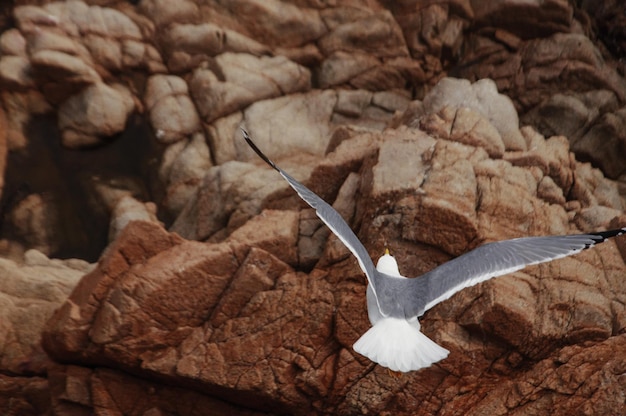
x=30 y=290
x=357 y=100
x=172 y=113
x=246 y=79
x=255 y=325
x=34 y=221
x=97 y=112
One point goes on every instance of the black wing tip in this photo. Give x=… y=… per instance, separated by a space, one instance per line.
x=257 y=150
x=602 y=236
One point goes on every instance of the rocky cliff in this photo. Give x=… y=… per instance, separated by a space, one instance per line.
x=205 y=286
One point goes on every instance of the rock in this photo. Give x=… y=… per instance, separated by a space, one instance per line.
x=252 y=323
x=340 y=67
x=605 y=143
x=163 y=12
x=465 y=126
x=29 y=293
x=73 y=45
x=299 y=121
x=377 y=35
x=606 y=14
x=228 y=196
x=529 y=19
x=283 y=24
x=97 y=112
x=188 y=44
x=14 y=72
x=4 y=148
x=24 y=395
x=183 y=166
x=260 y=318
x=19 y=108
x=218 y=341
x=172 y=113
x=81 y=387
x=482 y=97
x=129 y=209
x=12 y=43
x=35 y=221
x=570 y=115
x=59 y=68
x=247 y=79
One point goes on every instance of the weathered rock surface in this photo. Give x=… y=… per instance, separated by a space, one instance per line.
x=236 y=320
x=97 y=111
x=29 y=292
x=353 y=100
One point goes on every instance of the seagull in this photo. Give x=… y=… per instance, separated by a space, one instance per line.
x=395 y=302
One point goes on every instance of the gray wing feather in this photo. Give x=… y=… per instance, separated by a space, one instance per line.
x=330 y=217
x=496 y=259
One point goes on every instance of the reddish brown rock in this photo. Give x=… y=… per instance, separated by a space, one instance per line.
x=262 y=317
x=24 y=395
x=240 y=323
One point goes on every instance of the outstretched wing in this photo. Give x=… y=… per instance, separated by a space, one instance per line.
x=329 y=216
x=496 y=259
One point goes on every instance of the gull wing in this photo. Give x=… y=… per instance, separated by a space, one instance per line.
x=329 y=216
x=493 y=260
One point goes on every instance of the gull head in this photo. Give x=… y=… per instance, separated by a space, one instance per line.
x=387 y=264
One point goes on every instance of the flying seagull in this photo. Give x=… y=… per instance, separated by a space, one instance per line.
x=394 y=302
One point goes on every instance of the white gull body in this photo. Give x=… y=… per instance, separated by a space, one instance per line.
x=394 y=302
x=396 y=343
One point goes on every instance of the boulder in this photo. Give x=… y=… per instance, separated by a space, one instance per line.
x=97 y=112
x=30 y=290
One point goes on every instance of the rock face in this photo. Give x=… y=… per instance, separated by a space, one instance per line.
x=237 y=321
x=29 y=292
x=432 y=128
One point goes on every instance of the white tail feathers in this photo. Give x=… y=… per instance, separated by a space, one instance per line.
x=399 y=345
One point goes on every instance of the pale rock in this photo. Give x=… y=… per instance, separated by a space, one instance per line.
x=186 y=44
x=163 y=12
x=182 y=169
x=97 y=112
x=29 y=293
x=12 y=42
x=299 y=123
x=340 y=67
x=247 y=79
x=283 y=24
x=15 y=72
x=63 y=67
x=464 y=125
x=223 y=135
x=35 y=220
x=228 y=196
x=483 y=97
x=377 y=35
x=172 y=113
